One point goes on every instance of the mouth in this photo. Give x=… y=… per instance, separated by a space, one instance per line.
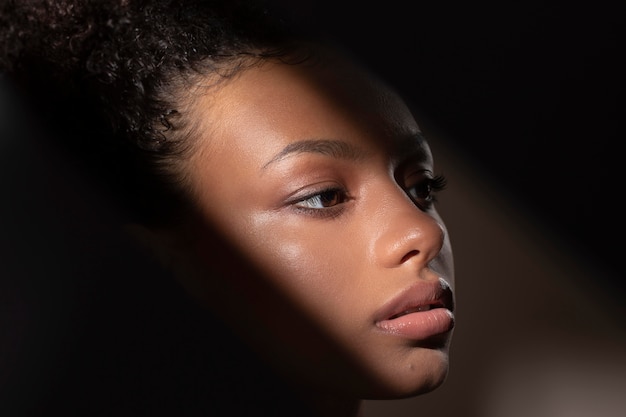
x=420 y=297
x=422 y=311
x=418 y=309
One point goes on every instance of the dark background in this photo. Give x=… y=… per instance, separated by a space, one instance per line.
x=532 y=93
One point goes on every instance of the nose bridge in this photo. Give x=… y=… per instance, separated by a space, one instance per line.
x=405 y=232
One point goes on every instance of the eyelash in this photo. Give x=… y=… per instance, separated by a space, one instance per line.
x=339 y=196
x=432 y=186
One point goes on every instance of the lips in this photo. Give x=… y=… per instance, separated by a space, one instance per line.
x=417 y=309
x=422 y=311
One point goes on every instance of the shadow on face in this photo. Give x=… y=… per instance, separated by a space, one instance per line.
x=318 y=175
x=287 y=268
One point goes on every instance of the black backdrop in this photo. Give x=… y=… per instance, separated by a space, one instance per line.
x=532 y=93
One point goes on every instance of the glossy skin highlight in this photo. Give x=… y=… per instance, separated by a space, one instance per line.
x=319 y=175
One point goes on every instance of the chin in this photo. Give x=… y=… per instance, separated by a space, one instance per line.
x=413 y=378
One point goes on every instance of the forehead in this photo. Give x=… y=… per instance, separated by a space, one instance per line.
x=267 y=107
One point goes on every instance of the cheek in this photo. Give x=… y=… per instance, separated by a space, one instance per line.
x=314 y=268
x=304 y=265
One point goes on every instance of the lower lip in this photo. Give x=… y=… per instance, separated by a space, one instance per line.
x=420 y=325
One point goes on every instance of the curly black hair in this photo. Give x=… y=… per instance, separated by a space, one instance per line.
x=110 y=79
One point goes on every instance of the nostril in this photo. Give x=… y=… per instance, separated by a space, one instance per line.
x=409 y=255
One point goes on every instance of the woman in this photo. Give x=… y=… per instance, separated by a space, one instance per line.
x=290 y=190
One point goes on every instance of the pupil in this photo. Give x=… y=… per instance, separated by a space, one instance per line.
x=329 y=198
x=423 y=191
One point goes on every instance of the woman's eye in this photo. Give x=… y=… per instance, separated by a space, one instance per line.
x=322 y=200
x=423 y=192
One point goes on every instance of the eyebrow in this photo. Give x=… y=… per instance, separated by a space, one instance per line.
x=334 y=148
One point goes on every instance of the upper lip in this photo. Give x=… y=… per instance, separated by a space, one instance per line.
x=420 y=296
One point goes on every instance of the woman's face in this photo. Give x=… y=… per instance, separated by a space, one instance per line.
x=320 y=182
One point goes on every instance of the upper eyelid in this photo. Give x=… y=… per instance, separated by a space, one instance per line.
x=402 y=176
x=307 y=192
x=319 y=195
x=437 y=182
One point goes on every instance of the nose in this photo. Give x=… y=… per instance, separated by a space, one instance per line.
x=405 y=233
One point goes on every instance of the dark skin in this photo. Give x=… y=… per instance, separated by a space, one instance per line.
x=302 y=208
x=336 y=225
